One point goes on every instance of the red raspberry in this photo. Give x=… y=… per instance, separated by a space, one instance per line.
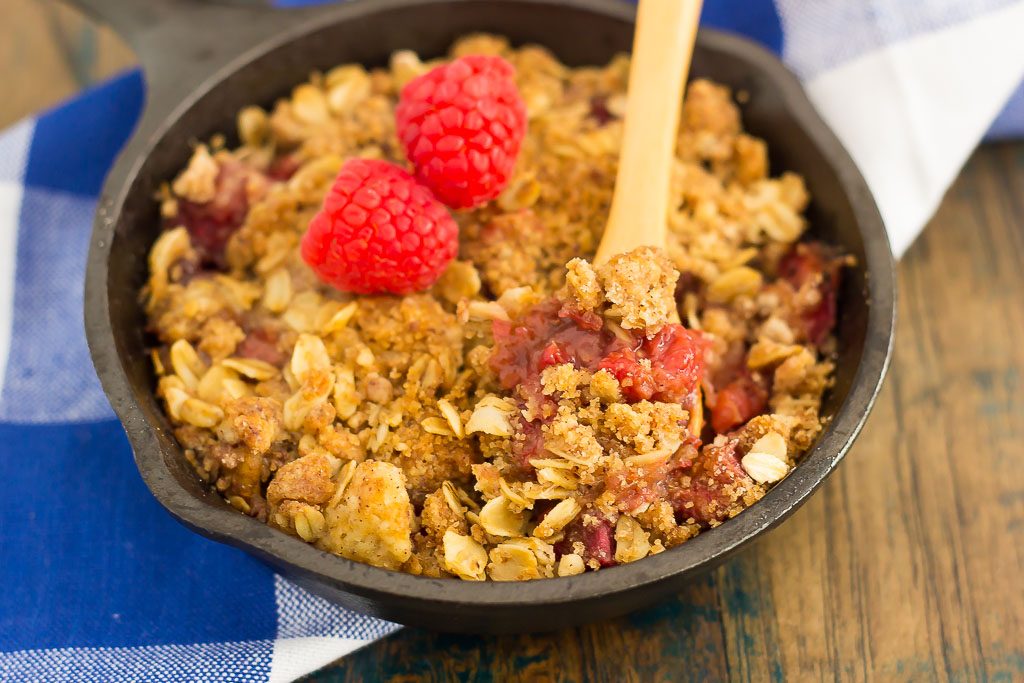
x=379 y=231
x=462 y=125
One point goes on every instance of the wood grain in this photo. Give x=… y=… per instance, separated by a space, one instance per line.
x=907 y=565
x=48 y=52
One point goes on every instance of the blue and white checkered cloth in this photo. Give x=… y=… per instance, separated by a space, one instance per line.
x=100 y=584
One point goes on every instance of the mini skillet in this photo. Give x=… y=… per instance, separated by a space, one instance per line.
x=203 y=61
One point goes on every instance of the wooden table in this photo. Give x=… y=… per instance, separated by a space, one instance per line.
x=907 y=565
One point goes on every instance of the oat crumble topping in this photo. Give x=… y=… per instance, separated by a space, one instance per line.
x=531 y=415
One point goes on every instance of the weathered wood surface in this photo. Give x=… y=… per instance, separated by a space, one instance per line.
x=48 y=52
x=907 y=565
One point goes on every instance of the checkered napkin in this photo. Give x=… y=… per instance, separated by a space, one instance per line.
x=100 y=584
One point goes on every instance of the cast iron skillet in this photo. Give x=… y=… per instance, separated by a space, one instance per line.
x=204 y=61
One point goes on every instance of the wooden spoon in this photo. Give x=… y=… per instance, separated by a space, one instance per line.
x=662 y=46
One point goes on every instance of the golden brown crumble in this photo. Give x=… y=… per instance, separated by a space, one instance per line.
x=582 y=288
x=640 y=289
x=198 y=182
x=378 y=428
x=564 y=380
x=605 y=387
x=371 y=520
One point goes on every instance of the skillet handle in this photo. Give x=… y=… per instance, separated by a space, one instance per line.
x=181 y=45
x=181 y=42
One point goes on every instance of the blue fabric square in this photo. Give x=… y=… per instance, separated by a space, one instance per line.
x=1010 y=123
x=756 y=19
x=75 y=145
x=214 y=662
x=108 y=566
x=14 y=145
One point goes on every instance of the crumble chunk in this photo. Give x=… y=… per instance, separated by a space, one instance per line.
x=306 y=480
x=605 y=387
x=198 y=182
x=582 y=287
x=373 y=519
x=640 y=288
x=564 y=380
x=256 y=422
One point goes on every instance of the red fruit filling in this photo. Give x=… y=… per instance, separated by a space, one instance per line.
x=666 y=367
x=599 y=110
x=211 y=224
x=711 y=487
x=737 y=402
x=598 y=540
x=545 y=336
x=674 y=367
x=528 y=444
x=803 y=265
x=283 y=167
x=261 y=344
x=632 y=488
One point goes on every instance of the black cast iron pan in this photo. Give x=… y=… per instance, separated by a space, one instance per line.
x=204 y=61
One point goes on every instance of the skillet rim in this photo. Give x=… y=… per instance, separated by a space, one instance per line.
x=375 y=584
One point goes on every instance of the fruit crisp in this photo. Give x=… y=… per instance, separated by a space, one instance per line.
x=531 y=415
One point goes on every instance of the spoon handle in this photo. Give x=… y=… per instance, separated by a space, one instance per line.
x=662 y=46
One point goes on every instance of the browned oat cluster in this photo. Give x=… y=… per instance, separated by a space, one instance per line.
x=531 y=415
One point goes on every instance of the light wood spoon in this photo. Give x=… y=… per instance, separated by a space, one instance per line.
x=662 y=46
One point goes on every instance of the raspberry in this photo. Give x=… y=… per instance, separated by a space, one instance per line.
x=379 y=231
x=461 y=125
